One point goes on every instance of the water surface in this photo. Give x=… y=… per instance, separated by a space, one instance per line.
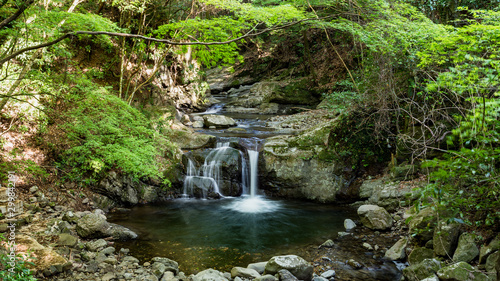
x=220 y=234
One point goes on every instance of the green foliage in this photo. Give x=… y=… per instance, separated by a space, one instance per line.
x=466 y=181
x=343 y=97
x=20 y=271
x=106 y=133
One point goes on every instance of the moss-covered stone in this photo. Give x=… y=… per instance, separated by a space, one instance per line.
x=420 y=254
x=461 y=271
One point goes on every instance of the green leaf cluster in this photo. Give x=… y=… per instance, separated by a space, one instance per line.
x=106 y=133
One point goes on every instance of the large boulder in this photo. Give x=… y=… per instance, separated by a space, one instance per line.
x=461 y=271
x=296 y=265
x=424 y=269
x=493 y=263
x=219 y=121
x=466 y=249
x=375 y=217
x=445 y=238
x=397 y=251
x=489 y=249
x=290 y=168
x=92 y=226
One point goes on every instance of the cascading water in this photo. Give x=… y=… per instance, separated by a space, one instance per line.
x=211 y=171
x=253 y=203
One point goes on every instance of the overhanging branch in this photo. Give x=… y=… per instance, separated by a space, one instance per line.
x=166 y=41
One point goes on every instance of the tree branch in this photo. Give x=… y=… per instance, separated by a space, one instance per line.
x=23 y=7
x=166 y=41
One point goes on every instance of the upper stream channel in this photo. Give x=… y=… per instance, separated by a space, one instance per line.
x=233 y=230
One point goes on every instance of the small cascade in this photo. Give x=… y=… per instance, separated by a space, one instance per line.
x=253 y=157
x=245 y=178
x=210 y=177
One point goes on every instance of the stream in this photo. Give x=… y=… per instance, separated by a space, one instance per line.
x=235 y=231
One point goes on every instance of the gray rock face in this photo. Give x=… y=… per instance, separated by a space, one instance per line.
x=349 y=224
x=296 y=172
x=445 y=239
x=119 y=188
x=244 y=272
x=419 y=271
x=375 y=217
x=328 y=274
x=209 y=275
x=461 y=271
x=397 y=251
x=466 y=249
x=384 y=194
x=219 y=121
x=120 y=232
x=297 y=266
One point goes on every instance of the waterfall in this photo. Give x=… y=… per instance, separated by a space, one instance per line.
x=253 y=157
x=210 y=173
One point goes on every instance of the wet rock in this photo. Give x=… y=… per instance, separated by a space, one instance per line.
x=299 y=267
x=397 y=251
x=445 y=239
x=285 y=275
x=219 y=121
x=199 y=124
x=244 y=272
x=354 y=264
x=327 y=244
x=367 y=246
x=375 y=217
x=424 y=269
x=342 y=234
x=349 y=224
x=258 y=266
x=420 y=254
x=119 y=232
x=466 y=249
x=188 y=139
x=328 y=274
x=461 y=271
x=209 y=275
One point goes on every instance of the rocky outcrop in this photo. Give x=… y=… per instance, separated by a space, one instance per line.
x=302 y=166
x=385 y=193
x=375 y=217
x=296 y=265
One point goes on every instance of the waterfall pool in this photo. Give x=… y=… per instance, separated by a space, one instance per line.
x=230 y=232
